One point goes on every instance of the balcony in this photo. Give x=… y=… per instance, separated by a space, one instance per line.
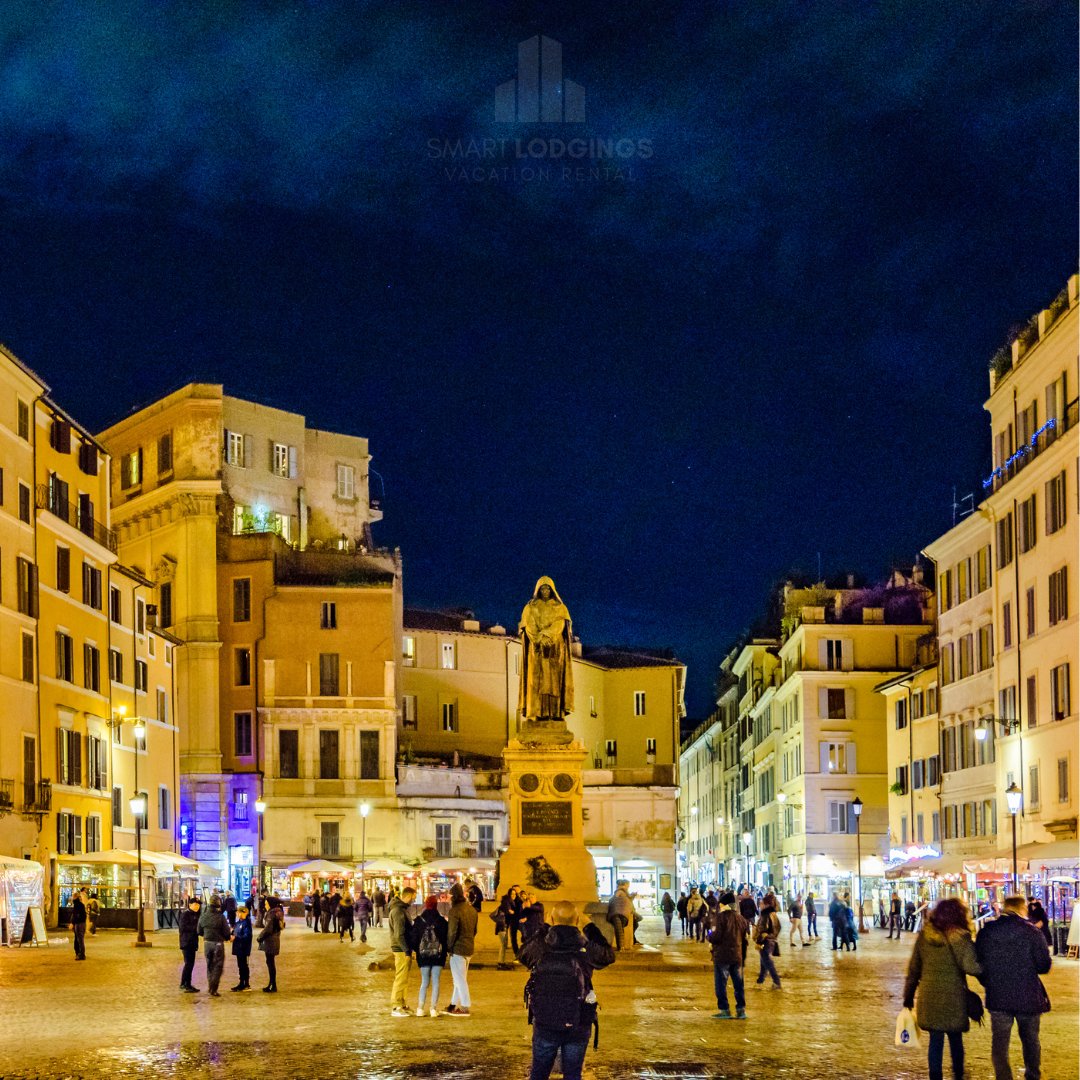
x=72 y=514
x=37 y=798
x=329 y=847
x=7 y=796
x=1046 y=436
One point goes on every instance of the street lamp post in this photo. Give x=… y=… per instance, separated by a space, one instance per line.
x=1014 y=797
x=138 y=808
x=260 y=809
x=365 y=809
x=747 y=837
x=856 y=809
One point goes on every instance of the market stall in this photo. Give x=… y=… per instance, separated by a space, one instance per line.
x=22 y=886
x=440 y=875
x=1055 y=880
x=297 y=881
x=384 y=873
x=113 y=876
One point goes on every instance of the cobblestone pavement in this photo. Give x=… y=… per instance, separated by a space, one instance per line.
x=120 y=1015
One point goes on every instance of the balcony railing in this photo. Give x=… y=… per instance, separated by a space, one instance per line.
x=47 y=499
x=329 y=847
x=37 y=798
x=7 y=796
x=1048 y=434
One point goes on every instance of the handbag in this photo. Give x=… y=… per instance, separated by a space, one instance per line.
x=972 y=1002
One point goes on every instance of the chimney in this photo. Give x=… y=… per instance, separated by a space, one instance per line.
x=851 y=581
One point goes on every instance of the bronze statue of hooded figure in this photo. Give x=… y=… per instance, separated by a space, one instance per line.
x=546 y=691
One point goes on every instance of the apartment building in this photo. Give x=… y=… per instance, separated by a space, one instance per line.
x=1032 y=503
x=194 y=474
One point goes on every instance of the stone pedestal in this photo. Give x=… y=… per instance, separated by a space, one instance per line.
x=547 y=853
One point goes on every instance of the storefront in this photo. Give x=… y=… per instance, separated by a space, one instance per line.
x=439 y=876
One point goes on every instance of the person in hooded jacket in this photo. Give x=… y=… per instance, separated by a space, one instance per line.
x=591 y=951
x=1013 y=954
x=363 y=908
x=728 y=941
x=241 y=947
x=430 y=965
x=766 y=933
x=695 y=914
x=345 y=918
x=667 y=909
x=943 y=957
x=1036 y=915
x=269 y=940
x=681 y=906
x=460 y=944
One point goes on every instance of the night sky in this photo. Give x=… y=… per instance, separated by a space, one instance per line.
x=761 y=339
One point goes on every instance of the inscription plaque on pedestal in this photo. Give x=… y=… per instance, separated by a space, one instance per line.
x=549 y=818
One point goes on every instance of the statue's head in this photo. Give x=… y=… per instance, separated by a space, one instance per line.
x=545 y=592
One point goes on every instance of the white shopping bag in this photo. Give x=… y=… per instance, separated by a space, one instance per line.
x=907 y=1031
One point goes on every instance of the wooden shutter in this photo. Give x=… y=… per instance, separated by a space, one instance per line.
x=249 y=452
x=824 y=756
x=852 y=764
x=822 y=703
x=292 y=463
x=61 y=750
x=849 y=703
x=271 y=454
x=75 y=742
x=225 y=447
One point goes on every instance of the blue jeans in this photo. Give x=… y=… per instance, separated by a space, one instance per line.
x=667 y=923
x=721 y=972
x=767 y=965
x=936 y=1054
x=811 y=923
x=429 y=976
x=547 y=1043
x=1001 y=1032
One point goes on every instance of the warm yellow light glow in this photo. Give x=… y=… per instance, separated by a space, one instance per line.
x=140 y=730
x=365 y=809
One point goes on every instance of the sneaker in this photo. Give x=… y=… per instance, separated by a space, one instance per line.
x=245 y=988
x=214 y=993
x=269 y=989
x=723 y=1014
x=400 y=1011
x=236 y=989
x=434 y=1012
x=740 y=1014
x=461 y=1010
x=450 y=1010
x=806 y=944
x=191 y=989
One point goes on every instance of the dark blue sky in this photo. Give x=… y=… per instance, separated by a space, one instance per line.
x=766 y=340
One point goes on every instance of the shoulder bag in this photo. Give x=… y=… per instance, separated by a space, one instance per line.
x=973 y=1003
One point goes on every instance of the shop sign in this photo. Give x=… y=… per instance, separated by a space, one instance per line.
x=243 y=855
x=914 y=851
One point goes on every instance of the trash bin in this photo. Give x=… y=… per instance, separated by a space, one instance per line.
x=1061 y=936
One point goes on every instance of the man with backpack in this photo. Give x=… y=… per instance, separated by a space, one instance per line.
x=559 y=994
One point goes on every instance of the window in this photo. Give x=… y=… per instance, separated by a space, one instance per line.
x=1004 y=541
x=346 y=482
x=69 y=757
x=1055 y=503
x=165 y=612
x=931 y=701
x=63 y=569
x=162 y=706
x=241 y=599
x=918 y=774
x=967 y=665
x=901 y=785
x=65 y=657
x=24 y=421
x=116 y=666
x=1033 y=787
x=27 y=657
x=282 y=459
x=91 y=668
x=114 y=604
x=485 y=841
x=289 y=754
x=650 y=750
x=835 y=700
x=234 y=449
x=449 y=655
x=449 y=716
x=1063 y=780
x=982 y=569
x=26 y=584
x=933 y=770
x=985 y=652
x=1027 y=524
x=68 y=833
x=443 y=841
x=838 y=816
x=1006 y=625
x=164 y=454
x=164 y=808
x=140 y=617
x=1032 y=701
x=611 y=751
x=945 y=589
x=91 y=586
x=242 y=734
x=947 y=664
x=935 y=827
x=328 y=616
x=93 y=833
x=240 y=805
x=328 y=675
x=408 y=711
x=142 y=676
x=900 y=710
x=328 y=755
x=24 y=503
x=1060 y=698
x=118 y=807
x=639 y=702
x=1030 y=607
x=408 y=652
x=834 y=757
x=330 y=838
x=369 y=755
x=1059 y=596
x=242 y=667
x=834 y=654
x=130 y=470
x=963 y=580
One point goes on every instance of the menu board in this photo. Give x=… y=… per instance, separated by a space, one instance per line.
x=547 y=818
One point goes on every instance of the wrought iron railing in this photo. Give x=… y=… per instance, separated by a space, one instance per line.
x=7 y=796
x=47 y=499
x=329 y=847
x=37 y=797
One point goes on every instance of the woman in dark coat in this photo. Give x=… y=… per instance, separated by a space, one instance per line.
x=316 y=909
x=270 y=942
x=532 y=918
x=344 y=916
x=1037 y=918
x=515 y=917
x=429 y=960
x=241 y=947
x=942 y=959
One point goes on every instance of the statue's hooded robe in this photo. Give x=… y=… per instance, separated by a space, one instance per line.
x=546 y=690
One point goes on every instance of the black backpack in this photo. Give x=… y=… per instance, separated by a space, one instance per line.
x=430 y=947
x=557 y=994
